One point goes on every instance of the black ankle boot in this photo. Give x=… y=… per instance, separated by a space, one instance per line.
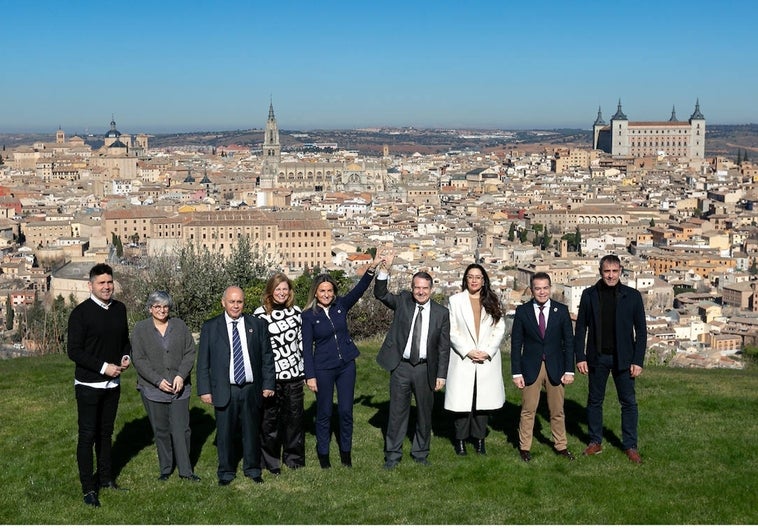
x=346 y=459
x=460 y=447
x=323 y=460
x=479 y=445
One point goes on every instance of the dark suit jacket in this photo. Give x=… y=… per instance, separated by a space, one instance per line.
x=527 y=347
x=214 y=353
x=438 y=340
x=631 y=329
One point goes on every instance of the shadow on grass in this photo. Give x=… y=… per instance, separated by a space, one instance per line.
x=136 y=435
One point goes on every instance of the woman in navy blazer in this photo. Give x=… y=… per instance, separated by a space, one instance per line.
x=329 y=358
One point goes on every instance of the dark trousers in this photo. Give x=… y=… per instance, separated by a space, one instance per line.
x=343 y=378
x=282 y=430
x=171 y=430
x=97 y=414
x=242 y=414
x=470 y=423
x=598 y=378
x=407 y=380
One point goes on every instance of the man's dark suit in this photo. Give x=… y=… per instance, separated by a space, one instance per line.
x=527 y=346
x=405 y=379
x=235 y=405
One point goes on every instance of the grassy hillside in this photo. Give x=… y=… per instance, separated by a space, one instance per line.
x=697 y=436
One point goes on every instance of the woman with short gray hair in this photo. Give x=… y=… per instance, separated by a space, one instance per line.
x=163 y=353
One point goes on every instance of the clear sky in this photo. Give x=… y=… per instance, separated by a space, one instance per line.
x=197 y=65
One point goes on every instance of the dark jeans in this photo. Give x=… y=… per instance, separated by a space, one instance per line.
x=282 y=430
x=598 y=378
x=97 y=414
x=343 y=378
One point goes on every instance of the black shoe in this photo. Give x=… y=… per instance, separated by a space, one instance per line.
x=91 y=499
x=526 y=456
x=111 y=485
x=191 y=477
x=390 y=465
x=323 y=460
x=565 y=453
x=346 y=459
x=460 y=447
x=224 y=482
x=164 y=477
x=480 y=448
x=257 y=479
x=423 y=461
x=276 y=471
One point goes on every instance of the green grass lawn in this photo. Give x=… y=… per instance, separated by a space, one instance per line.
x=697 y=436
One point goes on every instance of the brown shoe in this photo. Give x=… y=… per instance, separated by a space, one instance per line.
x=593 y=449
x=565 y=453
x=633 y=455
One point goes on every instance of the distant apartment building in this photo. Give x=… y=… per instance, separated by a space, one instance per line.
x=625 y=138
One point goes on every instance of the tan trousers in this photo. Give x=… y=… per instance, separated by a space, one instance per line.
x=530 y=399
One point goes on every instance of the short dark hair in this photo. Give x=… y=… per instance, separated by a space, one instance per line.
x=100 y=269
x=540 y=275
x=423 y=275
x=612 y=258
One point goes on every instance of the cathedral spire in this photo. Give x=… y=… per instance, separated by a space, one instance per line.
x=673 y=114
x=271 y=110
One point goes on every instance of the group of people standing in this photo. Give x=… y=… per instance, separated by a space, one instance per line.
x=253 y=367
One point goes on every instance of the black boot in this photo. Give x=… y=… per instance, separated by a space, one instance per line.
x=479 y=445
x=346 y=459
x=460 y=447
x=323 y=460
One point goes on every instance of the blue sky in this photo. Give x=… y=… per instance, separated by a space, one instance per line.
x=165 y=65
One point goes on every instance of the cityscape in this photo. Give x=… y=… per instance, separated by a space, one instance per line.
x=683 y=220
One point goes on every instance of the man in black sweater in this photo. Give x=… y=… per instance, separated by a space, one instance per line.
x=98 y=342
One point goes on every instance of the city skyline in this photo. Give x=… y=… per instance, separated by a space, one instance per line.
x=169 y=67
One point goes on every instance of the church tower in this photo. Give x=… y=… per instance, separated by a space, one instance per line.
x=272 y=151
x=697 y=133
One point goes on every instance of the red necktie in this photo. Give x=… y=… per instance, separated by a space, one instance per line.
x=542 y=322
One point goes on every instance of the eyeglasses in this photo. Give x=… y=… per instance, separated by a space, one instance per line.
x=474 y=277
x=157 y=307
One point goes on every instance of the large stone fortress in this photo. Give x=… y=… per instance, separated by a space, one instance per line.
x=335 y=174
x=639 y=139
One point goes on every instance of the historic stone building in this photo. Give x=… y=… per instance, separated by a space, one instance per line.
x=332 y=176
x=676 y=138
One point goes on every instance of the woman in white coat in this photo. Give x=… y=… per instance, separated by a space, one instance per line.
x=474 y=375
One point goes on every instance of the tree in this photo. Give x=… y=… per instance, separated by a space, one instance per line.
x=744 y=158
x=10 y=315
x=522 y=236
x=753 y=267
x=545 y=239
x=652 y=222
x=578 y=240
x=739 y=157
x=512 y=232
x=116 y=242
x=246 y=263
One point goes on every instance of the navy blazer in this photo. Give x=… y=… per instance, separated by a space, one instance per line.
x=527 y=346
x=326 y=338
x=438 y=340
x=214 y=355
x=631 y=329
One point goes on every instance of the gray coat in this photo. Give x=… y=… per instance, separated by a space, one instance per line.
x=153 y=362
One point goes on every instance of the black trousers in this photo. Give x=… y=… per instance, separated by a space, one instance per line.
x=96 y=409
x=282 y=429
x=241 y=414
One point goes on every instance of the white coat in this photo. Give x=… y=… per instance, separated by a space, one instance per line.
x=462 y=371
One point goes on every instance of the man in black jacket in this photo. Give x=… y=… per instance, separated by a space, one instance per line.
x=611 y=320
x=98 y=342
